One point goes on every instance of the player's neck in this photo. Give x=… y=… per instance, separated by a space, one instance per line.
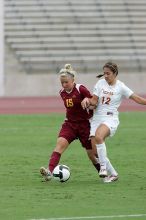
x=113 y=82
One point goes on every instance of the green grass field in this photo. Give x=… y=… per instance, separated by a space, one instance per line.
x=26 y=142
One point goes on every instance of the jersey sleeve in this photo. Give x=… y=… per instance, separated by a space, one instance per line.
x=96 y=89
x=126 y=92
x=84 y=92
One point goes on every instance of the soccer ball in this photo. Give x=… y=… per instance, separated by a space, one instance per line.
x=61 y=173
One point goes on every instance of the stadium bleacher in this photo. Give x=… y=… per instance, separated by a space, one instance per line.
x=44 y=35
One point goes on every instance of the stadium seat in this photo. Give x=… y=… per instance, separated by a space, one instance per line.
x=43 y=35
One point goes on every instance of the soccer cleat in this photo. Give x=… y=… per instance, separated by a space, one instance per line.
x=110 y=179
x=103 y=173
x=46 y=174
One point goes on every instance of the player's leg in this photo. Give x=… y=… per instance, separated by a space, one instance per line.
x=110 y=169
x=94 y=159
x=61 y=146
x=84 y=132
x=65 y=137
x=104 y=130
x=112 y=173
x=101 y=133
x=112 y=124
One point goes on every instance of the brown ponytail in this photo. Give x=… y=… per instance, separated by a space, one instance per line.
x=112 y=66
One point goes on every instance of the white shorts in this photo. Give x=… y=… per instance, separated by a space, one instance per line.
x=111 y=122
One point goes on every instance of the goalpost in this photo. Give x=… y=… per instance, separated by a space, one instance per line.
x=1 y=47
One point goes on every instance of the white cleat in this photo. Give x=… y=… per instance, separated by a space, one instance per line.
x=103 y=173
x=110 y=179
x=46 y=174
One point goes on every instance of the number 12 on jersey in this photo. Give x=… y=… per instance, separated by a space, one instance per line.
x=106 y=100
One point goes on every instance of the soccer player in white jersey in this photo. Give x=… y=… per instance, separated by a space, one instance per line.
x=107 y=95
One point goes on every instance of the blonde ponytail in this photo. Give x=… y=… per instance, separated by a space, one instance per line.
x=68 y=66
x=67 y=70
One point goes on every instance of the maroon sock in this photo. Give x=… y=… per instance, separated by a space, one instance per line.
x=54 y=160
x=97 y=166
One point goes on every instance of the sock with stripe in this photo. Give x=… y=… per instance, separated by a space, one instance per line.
x=54 y=160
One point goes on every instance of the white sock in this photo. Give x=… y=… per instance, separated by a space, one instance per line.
x=110 y=168
x=101 y=151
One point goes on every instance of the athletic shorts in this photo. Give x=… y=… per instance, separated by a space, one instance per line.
x=111 y=122
x=76 y=130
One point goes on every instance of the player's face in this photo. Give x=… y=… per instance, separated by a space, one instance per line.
x=109 y=76
x=67 y=83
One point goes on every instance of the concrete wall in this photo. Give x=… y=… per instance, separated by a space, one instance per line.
x=49 y=84
x=19 y=83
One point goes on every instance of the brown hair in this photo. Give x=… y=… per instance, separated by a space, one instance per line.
x=112 y=66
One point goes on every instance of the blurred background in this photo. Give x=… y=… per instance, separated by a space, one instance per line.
x=38 y=37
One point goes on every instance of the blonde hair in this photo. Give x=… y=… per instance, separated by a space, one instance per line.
x=67 y=71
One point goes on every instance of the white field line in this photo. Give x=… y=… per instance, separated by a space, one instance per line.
x=94 y=217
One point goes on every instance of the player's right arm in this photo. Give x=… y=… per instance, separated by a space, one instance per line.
x=89 y=102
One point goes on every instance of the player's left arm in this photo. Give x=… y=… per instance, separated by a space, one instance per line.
x=87 y=95
x=138 y=99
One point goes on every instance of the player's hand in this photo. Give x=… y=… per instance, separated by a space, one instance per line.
x=85 y=103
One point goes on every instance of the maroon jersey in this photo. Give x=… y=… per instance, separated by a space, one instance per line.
x=72 y=102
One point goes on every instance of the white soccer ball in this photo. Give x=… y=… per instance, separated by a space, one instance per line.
x=61 y=173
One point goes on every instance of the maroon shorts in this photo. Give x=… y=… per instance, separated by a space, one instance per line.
x=76 y=130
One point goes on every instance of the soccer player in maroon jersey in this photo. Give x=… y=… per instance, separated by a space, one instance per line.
x=76 y=124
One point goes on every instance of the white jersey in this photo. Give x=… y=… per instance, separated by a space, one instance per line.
x=110 y=97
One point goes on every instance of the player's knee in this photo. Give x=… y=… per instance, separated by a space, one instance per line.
x=98 y=138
